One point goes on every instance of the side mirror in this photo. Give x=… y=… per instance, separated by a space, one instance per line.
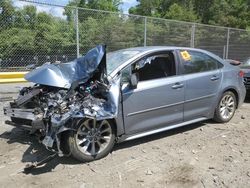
x=134 y=80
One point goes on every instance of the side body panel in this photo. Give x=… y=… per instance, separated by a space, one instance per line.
x=201 y=93
x=201 y=88
x=232 y=81
x=153 y=104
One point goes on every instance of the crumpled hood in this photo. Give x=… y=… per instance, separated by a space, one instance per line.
x=64 y=74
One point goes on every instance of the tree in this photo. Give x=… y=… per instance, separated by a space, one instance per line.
x=178 y=12
x=30 y=14
x=6 y=13
x=230 y=13
x=26 y=33
x=147 y=8
x=107 y=5
x=202 y=8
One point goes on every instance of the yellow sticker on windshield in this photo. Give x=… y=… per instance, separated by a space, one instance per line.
x=186 y=56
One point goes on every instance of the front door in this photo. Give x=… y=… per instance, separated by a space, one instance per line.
x=158 y=99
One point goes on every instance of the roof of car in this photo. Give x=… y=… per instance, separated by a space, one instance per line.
x=148 y=48
x=156 y=48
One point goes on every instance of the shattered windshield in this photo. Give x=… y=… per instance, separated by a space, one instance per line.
x=117 y=58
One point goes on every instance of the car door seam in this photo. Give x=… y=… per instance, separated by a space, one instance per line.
x=152 y=109
x=199 y=98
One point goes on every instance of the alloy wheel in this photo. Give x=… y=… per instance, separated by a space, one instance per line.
x=93 y=136
x=227 y=107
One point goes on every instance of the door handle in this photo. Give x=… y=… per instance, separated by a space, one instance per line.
x=214 y=78
x=177 y=86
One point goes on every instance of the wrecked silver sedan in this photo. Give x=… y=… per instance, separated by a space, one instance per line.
x=82 y=108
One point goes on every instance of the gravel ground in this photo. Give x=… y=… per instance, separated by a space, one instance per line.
x=199 y=155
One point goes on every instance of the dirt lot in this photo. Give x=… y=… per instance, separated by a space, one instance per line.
x=199 y=155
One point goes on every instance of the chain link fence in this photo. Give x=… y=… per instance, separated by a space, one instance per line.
x=36 y=33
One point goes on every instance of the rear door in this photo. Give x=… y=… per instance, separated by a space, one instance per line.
x=158 y=99
x=202 y=76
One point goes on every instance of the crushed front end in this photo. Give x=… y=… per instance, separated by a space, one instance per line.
x=73 y=92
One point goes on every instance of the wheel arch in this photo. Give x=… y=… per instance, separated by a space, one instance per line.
x=217 y=116
x=235 y=92
x=114 y=123
x=71 y=127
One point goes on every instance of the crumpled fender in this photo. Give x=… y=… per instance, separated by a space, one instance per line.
x=107 y=111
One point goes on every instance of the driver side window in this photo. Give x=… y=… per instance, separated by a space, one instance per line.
x=155 y=66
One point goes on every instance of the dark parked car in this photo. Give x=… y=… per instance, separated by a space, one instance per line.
x=84 y=107
x=245 y=66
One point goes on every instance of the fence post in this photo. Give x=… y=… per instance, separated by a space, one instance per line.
x=224 y=52
x=145 y=31
x=228 y=38
x=77 y=33
x=192 y=36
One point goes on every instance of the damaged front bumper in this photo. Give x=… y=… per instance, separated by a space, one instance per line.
x=29 y=114
x=56 y=117
x=32 y=119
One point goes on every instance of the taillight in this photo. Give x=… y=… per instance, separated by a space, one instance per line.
x=241 y=74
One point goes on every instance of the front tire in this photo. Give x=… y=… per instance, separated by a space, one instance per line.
x=226 y=108
x=93 y=140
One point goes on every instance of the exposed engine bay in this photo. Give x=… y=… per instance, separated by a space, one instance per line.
x=63 y=94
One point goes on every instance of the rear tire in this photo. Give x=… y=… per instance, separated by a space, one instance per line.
x=226 y=108
x=93 y=140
